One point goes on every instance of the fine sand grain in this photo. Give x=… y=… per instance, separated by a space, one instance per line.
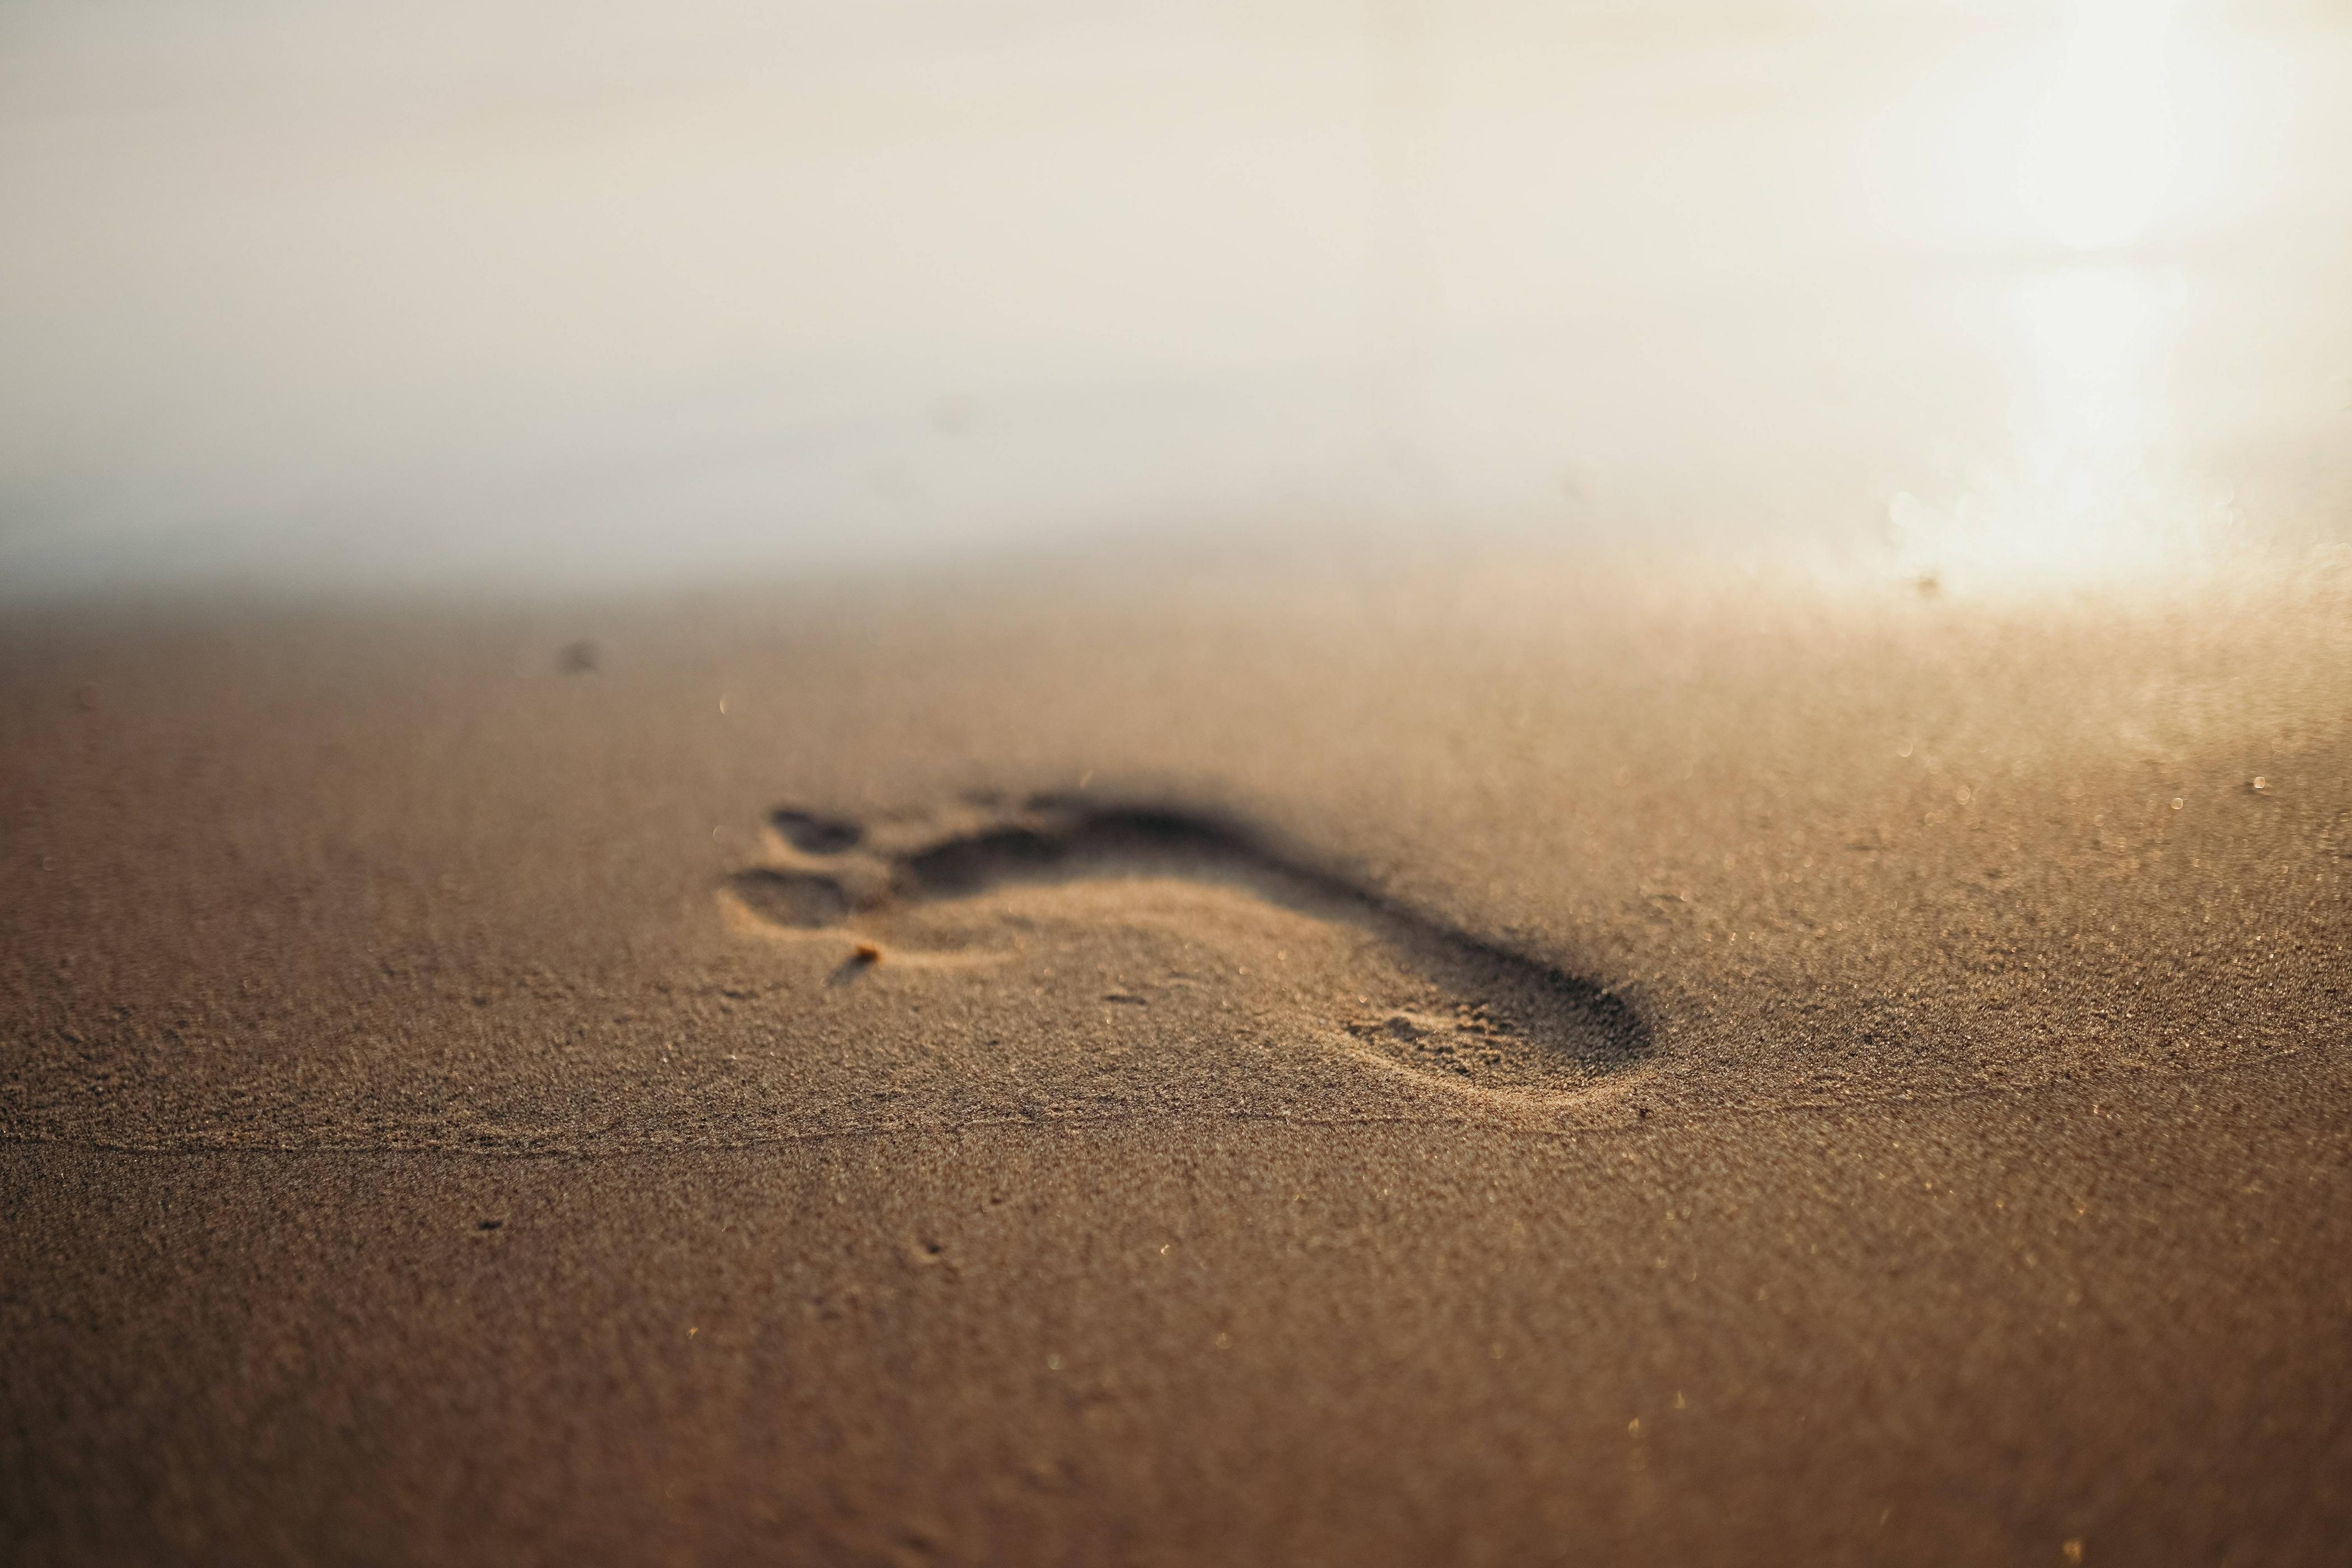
x=1519 y=1062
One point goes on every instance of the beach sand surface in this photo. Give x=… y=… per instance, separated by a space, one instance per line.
x=1508 y=1059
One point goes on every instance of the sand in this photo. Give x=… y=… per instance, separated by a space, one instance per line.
x=1508 y=1060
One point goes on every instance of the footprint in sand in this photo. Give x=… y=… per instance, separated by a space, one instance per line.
x=1399 y=990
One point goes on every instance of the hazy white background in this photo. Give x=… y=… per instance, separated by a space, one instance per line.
x=519 y=291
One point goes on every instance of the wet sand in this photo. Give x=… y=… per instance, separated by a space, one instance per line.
x=1518 y=1060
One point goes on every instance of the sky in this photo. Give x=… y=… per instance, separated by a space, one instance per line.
x=539 y=294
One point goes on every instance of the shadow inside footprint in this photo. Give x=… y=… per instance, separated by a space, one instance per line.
x=816 y=835
x=1485 y=1018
